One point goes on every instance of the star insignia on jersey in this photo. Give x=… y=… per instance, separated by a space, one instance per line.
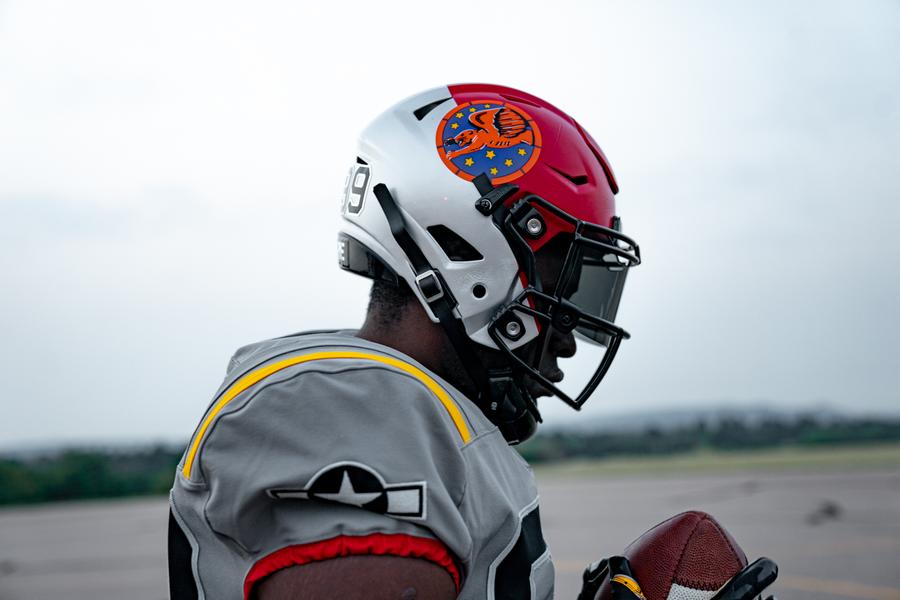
x=356 y=484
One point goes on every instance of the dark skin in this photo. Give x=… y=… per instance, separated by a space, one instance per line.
x=412 y=332
x=359 y=578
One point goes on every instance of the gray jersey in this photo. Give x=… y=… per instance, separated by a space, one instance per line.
x=316 y=441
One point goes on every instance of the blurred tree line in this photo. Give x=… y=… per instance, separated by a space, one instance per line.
x=727 y=434
x=76 y=474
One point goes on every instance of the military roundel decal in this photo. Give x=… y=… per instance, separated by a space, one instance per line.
x=498 y=139
x=359 y=485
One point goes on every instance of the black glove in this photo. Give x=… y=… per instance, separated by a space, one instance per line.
x=750 y=582
x=622 y=582
x=746 y=585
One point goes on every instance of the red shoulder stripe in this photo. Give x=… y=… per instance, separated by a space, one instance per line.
x=378 y=544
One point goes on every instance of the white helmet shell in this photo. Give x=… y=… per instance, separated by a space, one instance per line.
x=398 y=150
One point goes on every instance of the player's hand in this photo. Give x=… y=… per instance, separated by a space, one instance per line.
x=748 y=584
x=617 y=570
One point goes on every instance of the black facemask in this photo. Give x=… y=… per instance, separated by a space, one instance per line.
x=579 y=306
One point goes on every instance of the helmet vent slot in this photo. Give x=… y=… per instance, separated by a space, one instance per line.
x=576 y=179
x=422 y=111
x=360 y=161
x=455 y=247
x=610 y=177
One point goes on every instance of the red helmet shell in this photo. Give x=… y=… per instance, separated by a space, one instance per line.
x=571 y=171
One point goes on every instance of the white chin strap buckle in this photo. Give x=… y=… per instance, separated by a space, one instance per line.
x=429 y=286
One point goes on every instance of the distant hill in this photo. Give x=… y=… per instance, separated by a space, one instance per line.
x=687 y=431
x=680 y=417
x=45 y=474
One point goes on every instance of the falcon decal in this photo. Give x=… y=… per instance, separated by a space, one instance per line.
x=495 y=128
x=495 y=138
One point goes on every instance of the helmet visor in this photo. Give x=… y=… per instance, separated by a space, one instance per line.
x=593 y=280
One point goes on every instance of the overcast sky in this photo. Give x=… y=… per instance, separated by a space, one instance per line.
x=170 y=174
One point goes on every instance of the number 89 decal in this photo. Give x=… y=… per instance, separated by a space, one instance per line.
x=355 y=190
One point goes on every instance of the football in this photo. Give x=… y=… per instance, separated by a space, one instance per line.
x=686 y=557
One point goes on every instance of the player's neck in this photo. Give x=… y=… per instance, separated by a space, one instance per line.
x=416 y=336
x=411 y=332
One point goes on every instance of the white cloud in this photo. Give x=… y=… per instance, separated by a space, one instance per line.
x=169 y=175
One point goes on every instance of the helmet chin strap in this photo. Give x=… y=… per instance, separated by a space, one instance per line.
x=502 y=395
x=512 y=409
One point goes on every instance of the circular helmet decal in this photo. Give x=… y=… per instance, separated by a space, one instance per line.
x=498 y=139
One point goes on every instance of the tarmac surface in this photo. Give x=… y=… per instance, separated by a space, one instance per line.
x=834 y=534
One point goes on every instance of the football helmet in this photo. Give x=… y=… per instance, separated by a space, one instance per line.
x=457 y=191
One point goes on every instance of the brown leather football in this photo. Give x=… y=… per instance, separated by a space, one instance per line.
x=686 y=557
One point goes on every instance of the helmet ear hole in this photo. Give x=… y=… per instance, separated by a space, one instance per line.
x=454 y=246
x=479 y=291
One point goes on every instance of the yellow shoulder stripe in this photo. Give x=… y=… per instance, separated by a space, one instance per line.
x=255 y=377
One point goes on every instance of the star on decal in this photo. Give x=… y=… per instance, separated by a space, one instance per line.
x=359 y=485
x=469 y=162
x=490 y=154
x=347 y=495
x=493 y=171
